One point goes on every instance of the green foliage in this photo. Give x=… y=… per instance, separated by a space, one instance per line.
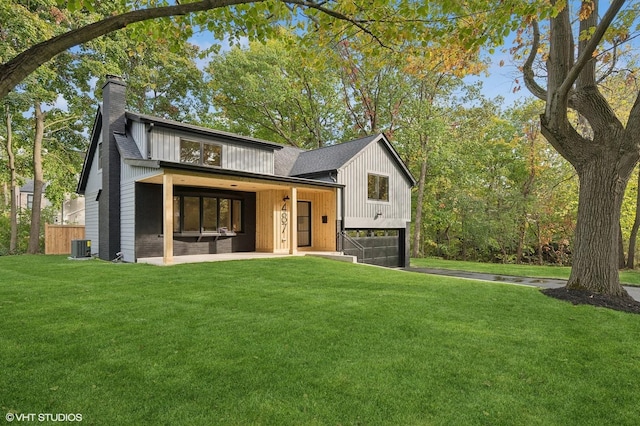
x=24 y=224
x=162 y=79
x=23 y=231
x=498 y=189
x=272 y=91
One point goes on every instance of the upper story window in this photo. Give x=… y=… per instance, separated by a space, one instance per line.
x=200 y=153
x=377 y=187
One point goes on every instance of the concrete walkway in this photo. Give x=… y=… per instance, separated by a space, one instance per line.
x=199 y=258
x=507 y=279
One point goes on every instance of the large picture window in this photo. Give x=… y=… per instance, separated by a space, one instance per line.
x=200 y=153
x=377 y=187
x=194 y=214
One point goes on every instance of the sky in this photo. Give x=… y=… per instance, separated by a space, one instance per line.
x=501 y=80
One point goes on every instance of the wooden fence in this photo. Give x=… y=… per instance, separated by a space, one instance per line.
x=57 y=238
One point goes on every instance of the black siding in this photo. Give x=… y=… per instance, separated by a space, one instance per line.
x=149 y=216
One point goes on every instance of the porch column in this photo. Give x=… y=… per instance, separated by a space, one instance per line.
x=167 y=229
x=293 y=228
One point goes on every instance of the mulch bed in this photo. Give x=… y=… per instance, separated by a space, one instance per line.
x=581 y=297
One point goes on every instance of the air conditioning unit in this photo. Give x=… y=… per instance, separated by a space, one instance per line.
x=80 y=249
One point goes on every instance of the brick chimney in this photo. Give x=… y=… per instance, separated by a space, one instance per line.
x=113 y=121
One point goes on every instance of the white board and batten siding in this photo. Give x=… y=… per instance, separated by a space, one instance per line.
x=165 y=146
x=91 y=218
x=362 y=213
x=139 y=134
x=92 y=221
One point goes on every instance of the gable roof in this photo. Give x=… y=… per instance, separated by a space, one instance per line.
x=129 y=150
x=93 y=146
x=127 y=147
x=335 y=157
x=205 y=131
x=285 y=159
x=288 y=161
x=329 y=158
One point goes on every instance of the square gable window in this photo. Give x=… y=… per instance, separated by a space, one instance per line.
x=200 y=153
x=377 y=187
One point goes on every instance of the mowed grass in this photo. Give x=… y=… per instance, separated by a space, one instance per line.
x=304 y=341
x=631 y=277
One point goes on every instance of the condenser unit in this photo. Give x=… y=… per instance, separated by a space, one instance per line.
x=80 y=248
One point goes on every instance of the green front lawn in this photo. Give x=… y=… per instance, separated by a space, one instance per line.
x=304 y=341
x=560 y=272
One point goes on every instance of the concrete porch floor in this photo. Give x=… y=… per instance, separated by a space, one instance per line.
x=177 y=260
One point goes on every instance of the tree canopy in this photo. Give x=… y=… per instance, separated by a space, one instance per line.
x=468 y=25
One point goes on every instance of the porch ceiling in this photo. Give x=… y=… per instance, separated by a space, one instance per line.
x=234 y=183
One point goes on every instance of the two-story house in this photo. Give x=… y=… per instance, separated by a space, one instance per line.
x=155 y=187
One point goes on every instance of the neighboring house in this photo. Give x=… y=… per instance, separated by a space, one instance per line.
x=25 y=196
x=156 y=187
x=72 y=212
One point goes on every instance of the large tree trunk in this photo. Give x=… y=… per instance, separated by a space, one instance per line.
x=634 y=231
x=13 y=240
x=38 y=182
x=604 y=158
x=595 y=262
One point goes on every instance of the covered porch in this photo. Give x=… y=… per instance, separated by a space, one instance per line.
x=277 y=216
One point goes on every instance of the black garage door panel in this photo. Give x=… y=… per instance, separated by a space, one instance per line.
x=374 y=249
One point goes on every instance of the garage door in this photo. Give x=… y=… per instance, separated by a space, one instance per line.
x=383 y=247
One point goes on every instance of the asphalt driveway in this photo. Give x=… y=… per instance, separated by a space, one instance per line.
x=507 y=279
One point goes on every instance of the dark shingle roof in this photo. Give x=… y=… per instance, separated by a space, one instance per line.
x=329 y=158
x=127 y=147
x=285 y=159
x=164 y=122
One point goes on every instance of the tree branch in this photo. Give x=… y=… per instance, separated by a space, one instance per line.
x=587 y=53
x=18 y=68
x=527 y=69
x=632 y=133
x=612 y=64
x=21 y=66
x=319 y=6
